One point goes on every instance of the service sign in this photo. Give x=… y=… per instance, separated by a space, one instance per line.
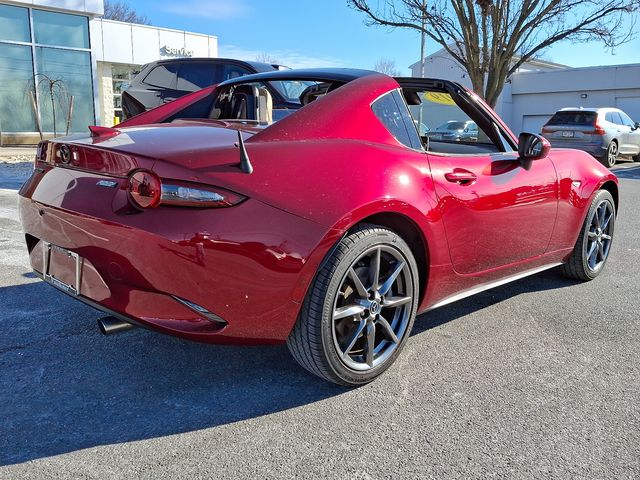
x=169 y=51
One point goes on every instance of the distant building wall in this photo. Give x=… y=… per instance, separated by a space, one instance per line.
x=537 y=96
x=442 y=65
x=538 y=89
x=120 y=49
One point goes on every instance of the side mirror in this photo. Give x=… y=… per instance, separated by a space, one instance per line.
x=637 y=126
x=532 y=146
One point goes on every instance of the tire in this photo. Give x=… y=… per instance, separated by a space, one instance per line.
x=349 y=333
x=636 y=158
x=592 y=249
x=610 y=157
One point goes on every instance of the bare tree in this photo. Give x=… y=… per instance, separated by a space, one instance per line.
x=121 y=11
x=386 y=66
x=264 y=57
x=492 y=39
x=56 y=92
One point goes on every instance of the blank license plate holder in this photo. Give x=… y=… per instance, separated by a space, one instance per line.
x=61 y=268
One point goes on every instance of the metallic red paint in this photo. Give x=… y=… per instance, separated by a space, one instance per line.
x=317 y=173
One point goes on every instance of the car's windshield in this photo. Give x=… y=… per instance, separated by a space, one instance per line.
x=262 y=102
x=291 y=89
x=452 y=126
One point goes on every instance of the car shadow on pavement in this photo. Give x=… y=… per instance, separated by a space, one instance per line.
x=548 y=280
x=632 y=173
x=66 y=387
x=14 y=174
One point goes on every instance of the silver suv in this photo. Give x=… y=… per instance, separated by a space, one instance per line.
x=606 y=133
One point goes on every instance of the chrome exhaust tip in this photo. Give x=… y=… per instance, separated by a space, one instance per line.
x=110 y=325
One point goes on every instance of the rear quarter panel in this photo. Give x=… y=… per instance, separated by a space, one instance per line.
x=580 y=176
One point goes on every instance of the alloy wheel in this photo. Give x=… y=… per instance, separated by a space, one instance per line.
x=599 y=236
x=612 y=154
x=373 y=308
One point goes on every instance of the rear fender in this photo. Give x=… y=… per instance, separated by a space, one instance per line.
x=580 y=176
x=435 y=252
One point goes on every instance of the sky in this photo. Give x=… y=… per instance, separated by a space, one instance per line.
x=326 y=33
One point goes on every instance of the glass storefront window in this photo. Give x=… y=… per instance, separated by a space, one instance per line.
x=60 y=29
x=16 y=80
x=73 y=69
x=14 y=24
x=121 y=76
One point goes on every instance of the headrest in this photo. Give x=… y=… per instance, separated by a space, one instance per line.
x=412 y=97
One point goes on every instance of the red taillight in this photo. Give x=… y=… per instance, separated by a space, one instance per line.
x=148 y=191
x=546 y=129
x=599 y=130
x=145 y=189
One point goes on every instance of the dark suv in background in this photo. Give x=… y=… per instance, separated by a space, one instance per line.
x=165 y=80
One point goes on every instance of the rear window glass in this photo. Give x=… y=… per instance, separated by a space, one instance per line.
x=163 y=76
x=234 y=71
x=392 y=111
x=195 y=76
x=573 y=118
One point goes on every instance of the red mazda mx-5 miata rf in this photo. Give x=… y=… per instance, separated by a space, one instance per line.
x=322 y=208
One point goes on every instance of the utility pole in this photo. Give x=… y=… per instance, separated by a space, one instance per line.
x=422 y=39
x=422 y=58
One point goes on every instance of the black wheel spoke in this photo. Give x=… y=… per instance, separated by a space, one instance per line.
x=357 y=283
x=387 y=329
x=355 y=338
x=374 y=270
x=348 y=311
x=388 y=283
x=371 y=343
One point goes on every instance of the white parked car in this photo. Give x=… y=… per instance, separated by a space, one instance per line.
x=606 y=133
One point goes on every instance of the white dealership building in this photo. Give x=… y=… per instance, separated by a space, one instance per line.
x=539 y=88
x=93 y=58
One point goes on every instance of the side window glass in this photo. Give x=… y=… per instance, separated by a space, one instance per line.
x=446 y=128
x=234 y=71
x=616 y=118
x=626 y=120
x=163 y=76
x=195 y=76
x=391 y=114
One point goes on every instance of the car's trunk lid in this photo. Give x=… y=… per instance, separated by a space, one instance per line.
x=119 y=152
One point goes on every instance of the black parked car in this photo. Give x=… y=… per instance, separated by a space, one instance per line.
x=165 y=80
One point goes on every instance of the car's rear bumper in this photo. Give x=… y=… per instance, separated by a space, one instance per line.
x=594 y=148
x=246 y=265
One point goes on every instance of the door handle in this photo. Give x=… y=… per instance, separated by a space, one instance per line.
x=460 y=176
x=168 y=99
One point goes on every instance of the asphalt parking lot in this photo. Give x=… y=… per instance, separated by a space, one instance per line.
x=536 y=379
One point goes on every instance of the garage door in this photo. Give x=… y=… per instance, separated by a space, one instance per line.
x=534 y=123
x=631 y=106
